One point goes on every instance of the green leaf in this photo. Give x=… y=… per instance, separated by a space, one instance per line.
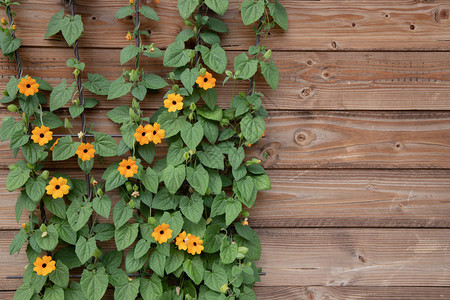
x=35 y=188
x=49 y=241
x=244 y=66
x=128 y=291
x=17 y=178
x=251 y=11
x=215 y=182
x=60 y=95
x=18 y=241
x=127 y=130
x=124 y=11
x=164 y=200
x=151 y=289
x=29 y=104
x=187 y=78
x=60 y=276
x=148 y=12
x=210 y=129
x=174 y=260
x=185 y=35
x=212 y=157
x=262 y=182
x=78 y=214
x=236 y=156
x=217 y=278
x=150 y=180
x=187 y=7
x=122 y=212
x=173 y=177
x=232 y=210
x=65 y=148
x=114 y=179
x=198 y=178
x=68 y=257
x=218 y=6
x=75 y=110
x=176 y=56
x=192 y=135
x=86 y=166
x=104 y=232
x=212 y=238
x=247 y=191
x=50 y=120
x=66 y=233
x=104 y=145
x=270 y=73
x=53 y=293
x=247 y=237
x=126 y=235
x=175 y=221
x=252 y=128
x=5 y=130
x=210 y=37
x=147 y=152
x=55 y=24
x=194 y=269
x=9 y=44
x=279 y=15
x=228 y=252
x=97 y=84
x=72 y=28
x=141 y=248
x=11 y=87
x=215 y=58
x=215 y=113
x=171 y=123
x=24 y=292
x=154 y=82
x=119 y=115
x=192 y=208
x=56 y=207
x=74 y=292
x=217 y=25
x=18 y=139
x=133 y=264
x=139 y=91
x=94 y=283
x=102 y=205
x=119 y=88
x=128 y=53
x=157 y=262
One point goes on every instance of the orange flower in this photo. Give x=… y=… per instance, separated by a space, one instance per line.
x=206 y=82
x=245 y=222
x=57 y=187
x=131 y=2
x=144 y=134
x=157 y=1
x=128 y=167
x=162 y=233
x=42 y=135
x=180 y=241
x=128 y=37
x=24 y=225
x=173 y=102
x=44 y=266
x=3 y=21
x=54 y=144
x=28 y=86
x=157 y=134
x=263 y=135
x=194 y=244
x=85 y=151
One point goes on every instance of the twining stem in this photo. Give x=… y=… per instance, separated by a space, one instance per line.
x=137 y=32
x=197 y=42
x=16 y=53
x=258 y=35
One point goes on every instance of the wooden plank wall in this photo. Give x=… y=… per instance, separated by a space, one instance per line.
x=358 y=139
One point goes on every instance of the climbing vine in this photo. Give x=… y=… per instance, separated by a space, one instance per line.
x=181 y=222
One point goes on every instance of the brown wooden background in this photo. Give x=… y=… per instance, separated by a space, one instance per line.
x=358 y=139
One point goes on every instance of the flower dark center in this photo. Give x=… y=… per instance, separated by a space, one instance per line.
x=154 y=131
x=174 y=102
x=28 y=86
x=161 y=232
x=205 y=79
x=57 y=187
x=44 y=265
x=41 y=135
x=85 y=150
x=195 y=244
x=143 y=134
x=128 y=167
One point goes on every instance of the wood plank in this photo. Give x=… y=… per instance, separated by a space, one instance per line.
x=332 y=140
x=308 y=80
x=314 y=25
x=325 y=198
x=329 y=293
x=328 y=257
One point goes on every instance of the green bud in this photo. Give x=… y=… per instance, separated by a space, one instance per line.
x=25 y=118
x=133 y=115
x=192 y=54
x=67 y=124
x=243 y=250
x=44 y=175
x=13 y=108
x=43 y=228
x=225 y=121
x=188 y=23
x=31 y=167
x=254 y=161
x=132 y=205
x=240 y=256
x=186 y=156
x=76 y=72
x=195 y=30
x=97 y=253
x=193 y=107
x=209 y=220
x=99 y=192
x=268 y=54
x=151 y=220
x=191 y=116
x=129 y=186
x=202 y=72
x=135 y=104
x=134 y=75
x=135 y=187
x=245 y=213
x=175 y=88
x=229 y=73
x=224 y=288
x=171 y=76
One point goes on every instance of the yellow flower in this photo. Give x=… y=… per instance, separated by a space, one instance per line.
x=3 y=21
x=206 y=82
x=157 y=1
x=162 y=233
x=13 y=27
x=24 y=225
x=42 y=135
x=245 y=222
x=131 y=2
x=194 y=244
x=263 y=135
x=128 y=37
x=157 y=134
x=173 y=102
x=85 y=151
x=28 y=86
x=44 y=266
x=54 y=144
x=180 y=241
x=144 y=134
x=57 y=187
x=128 y=167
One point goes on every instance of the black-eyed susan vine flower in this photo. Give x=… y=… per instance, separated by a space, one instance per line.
x=44 y=266
x=85 y=151
x=28 y=86
x=128 y=37
x=41 y=135
x=173 y=102
x=157 y=134
x=57 y=187
x=206 y=82
x=128 y=167
x=180 y=241
x=245 y=222
x=162 y=233
x=144 y=134
x=194 y=244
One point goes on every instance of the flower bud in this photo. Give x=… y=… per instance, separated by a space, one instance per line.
x=268 y=54
x=191 y=116
x=76 y=72
x=93 y=180
x=99 y=192
x=13 y=27
x=245 y=213
x=192 y=54
x=186 y=156
x=151 y=220
x=24 y=225
x=209 y=220
x=224 y=288
x=3 y=21
x=135 y=104
x=129 y=186
x=175 y=88
x=188 y=23
x=243 y=250
x=202 y=72
x=229 y=73
x=225 y=121
x=135 y=194
x=68 y=125
x=193 y=107
x=177 y=290
x=43 y=228
x=44 y=234
x=97 y=253
x=132 y=205
x=44 y=175
x=13 y=108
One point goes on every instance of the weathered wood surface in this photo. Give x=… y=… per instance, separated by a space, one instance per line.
x=329 y=257
x=332 y=140
x=314 y=25
x=325 y=198
x=308 y=80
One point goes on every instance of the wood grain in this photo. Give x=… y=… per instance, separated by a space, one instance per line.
x=308 y=80
x=314 y=25
x=328 y=257
x=325 y=198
